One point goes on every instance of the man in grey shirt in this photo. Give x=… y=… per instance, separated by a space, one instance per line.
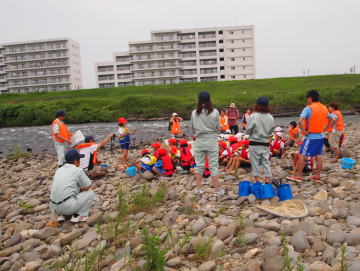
x=70 y=190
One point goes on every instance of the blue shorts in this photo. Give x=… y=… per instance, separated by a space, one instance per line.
x=125 y=146
x=312 y=147
x=147 y=167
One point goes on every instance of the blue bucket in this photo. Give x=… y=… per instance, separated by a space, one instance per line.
x=131 y=171
x=284 y=192
x=267 y=191
x=256 y=190
x=347 y=163
x=244 y=188
x=104 y=165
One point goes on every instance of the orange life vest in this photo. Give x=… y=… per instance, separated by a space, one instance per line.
x=63 y=131
x=185 y=155
x=339 y=122
x=318 y=119
x=175 y=127
x=223 y=123
x=85 y=145
x=167 y=164
x=293 y=131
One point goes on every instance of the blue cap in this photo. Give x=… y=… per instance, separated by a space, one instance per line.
x=60 y=113
x=73 y=155
x=204 y=96
x=262 y=101
x=88 y=139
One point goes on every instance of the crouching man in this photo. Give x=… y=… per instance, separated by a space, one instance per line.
x=70 y=191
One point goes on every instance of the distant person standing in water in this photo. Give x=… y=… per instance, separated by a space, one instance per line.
x=61 y=136
x=205 y=124
x=233 y=116
x=175 y=125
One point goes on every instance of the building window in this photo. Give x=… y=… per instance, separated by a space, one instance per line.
x=232 y=76
x=221 y=41
x=243 y=41
x=222 y=76
x=244 y=58
x=243 y=49
x=232 y=41
x=232 y=59
x=244 y=76
x=222 y=68
x=243 y=67
x=221 y=50
x=232 y=50
x=221 y=59
x=233 y=68
x=231 y=32
x=221 y=32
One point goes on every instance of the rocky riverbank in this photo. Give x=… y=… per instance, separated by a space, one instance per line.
x=140 y=225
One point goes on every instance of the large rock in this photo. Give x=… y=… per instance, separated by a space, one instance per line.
x=273 y=226
x=309 y=228
x=174 y=262
x=299 y=242
x=95 y=218
x=45 y=233
x=10 y=250
x=226 y=231
x=86 y=240
x=336 y=237
x=207 y=266
x=66 y=239
x=49 y=252
x=198 y=225
x=217 y=247
x=353 y=221
x=319 y=266
x=275 y=263
x=16 y=238
x=250 y=238
x=210 y=231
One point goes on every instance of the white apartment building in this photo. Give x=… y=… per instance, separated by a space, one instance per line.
x=183 y=55
x=41 y=65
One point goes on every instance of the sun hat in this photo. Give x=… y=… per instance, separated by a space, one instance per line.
x=173 y=149
x=233 y=139
x=174 y=114
x=278 y=129
x=156 y=145
x=144 y=151
x=183 y=142
x=222 y=144
x=172 y=140
x=232 y=105
x=279 y=134
x=122 y=120
x=162 y=151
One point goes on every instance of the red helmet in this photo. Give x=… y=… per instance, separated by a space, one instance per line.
x=173 y=149
x=145 y=151
x=156 y=145
x=222 y=144
x=122 y=120
x=233 y=139
x=162 y=152
x=173 y=140
x=183 y=142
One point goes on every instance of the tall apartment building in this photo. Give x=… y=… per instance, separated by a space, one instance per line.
x=42 y=65
x=183 y=55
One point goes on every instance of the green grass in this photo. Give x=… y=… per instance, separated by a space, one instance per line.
x=99 y=105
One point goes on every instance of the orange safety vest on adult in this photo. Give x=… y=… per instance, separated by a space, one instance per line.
x=85 y=145
x=318 y=119
x=63 y=131
x=224 y=123
x=175 y=127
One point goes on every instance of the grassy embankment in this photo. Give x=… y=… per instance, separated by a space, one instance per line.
x=101 y=105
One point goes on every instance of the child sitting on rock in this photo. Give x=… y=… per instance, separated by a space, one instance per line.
x=277 y=146
x=243 y=159
x=146 y=161
x=187 y=161
x=163 y=167
x=224 y=153
x=294 y=134
x=234 y=148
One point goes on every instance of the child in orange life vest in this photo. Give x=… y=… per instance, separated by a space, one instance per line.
x=124 y=140
x=224 y=153
x=163 y=166
x=234 y=148
x=187 y=161
x=156 y=146
x=243 y=159
x=277 y=145
x=174 y=155
x=294 y=134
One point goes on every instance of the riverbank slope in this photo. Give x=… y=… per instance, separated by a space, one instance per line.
x=148 y=102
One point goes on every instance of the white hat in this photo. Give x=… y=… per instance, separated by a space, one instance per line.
x=228 y=131
x=279 y=134
x=174 y=114
x=278 y=129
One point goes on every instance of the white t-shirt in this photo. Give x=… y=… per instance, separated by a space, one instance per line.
x=145 y=160
x=121 y=131
x=84 y=162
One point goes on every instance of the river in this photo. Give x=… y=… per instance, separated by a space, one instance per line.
x=38 y=138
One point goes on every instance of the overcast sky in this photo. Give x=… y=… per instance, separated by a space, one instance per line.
x=320 y=35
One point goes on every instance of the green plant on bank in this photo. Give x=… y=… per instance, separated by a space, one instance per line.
x=154 y=255
x=123 y=205
x=105 y=105
x=343 y=261
x=241 y=221
x=203 y=249
x=184 y=241
x=222 y=209
x=299 y=264
x=27 y=207
x=18 y=153
x=240 y=240
x=285 y=252
x=142 y=200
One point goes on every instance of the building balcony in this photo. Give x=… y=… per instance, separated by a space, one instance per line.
x=38 y=76
x=156 y=68
x=156 y=76
x=28 y=59
x=164 y=49
x=156 y=58
x=37 y=85
x=7 y=52
x=28 y=67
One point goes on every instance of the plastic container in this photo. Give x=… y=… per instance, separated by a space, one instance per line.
x=267 y=191
x=131 y=171
x=256 y=190
x=284 y=192
x=104 y=165
x=244 y=188
x=347 y=163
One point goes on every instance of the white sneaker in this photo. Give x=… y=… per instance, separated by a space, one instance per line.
x=60 y=218
x=199 y=191
x=79 y=218
x=221 y=192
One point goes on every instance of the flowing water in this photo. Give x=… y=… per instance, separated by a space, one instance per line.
x=38 y=138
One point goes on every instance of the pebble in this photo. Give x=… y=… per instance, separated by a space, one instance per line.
x=299 y=242
x=207 y=266
x=198 y=225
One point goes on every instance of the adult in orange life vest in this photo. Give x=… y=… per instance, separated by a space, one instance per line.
x=175 y=125
x=316 y=116
x=61 y=136
x=336 y=130
x=89 y=149
x=224 y=125
x=164 y=166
